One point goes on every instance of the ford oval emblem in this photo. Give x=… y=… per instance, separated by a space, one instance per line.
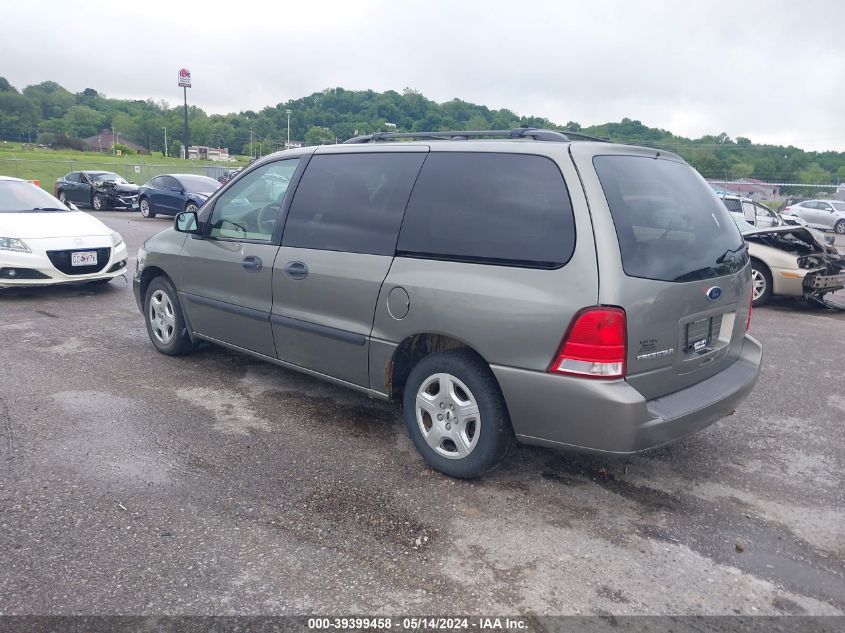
x=714 y=293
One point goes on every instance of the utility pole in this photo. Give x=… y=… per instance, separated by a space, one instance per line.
x=287 y=145
x=165 y=142
x=250 y=142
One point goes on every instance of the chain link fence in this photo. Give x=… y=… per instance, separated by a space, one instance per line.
x=777 y=195
x=47 y=171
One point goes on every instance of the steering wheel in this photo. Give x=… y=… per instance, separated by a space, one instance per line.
x=267 y=218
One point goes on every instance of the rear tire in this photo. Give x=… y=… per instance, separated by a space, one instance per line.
x=456 y=415
x=163 y=316
x=146 y=209
x=761 y=279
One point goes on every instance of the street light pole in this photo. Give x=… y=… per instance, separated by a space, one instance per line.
x=287 y=146
x=165 y=142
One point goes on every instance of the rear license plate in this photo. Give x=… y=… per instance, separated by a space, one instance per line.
x=699 y=335
x=83 y=258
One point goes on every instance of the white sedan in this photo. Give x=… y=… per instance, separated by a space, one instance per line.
x=44 y=242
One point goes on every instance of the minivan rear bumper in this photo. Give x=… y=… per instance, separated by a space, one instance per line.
x=613 y=417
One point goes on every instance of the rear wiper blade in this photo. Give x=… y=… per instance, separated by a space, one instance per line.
x=697 y=275
x=721 y=258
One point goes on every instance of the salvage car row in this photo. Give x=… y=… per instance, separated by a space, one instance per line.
x=167 y=194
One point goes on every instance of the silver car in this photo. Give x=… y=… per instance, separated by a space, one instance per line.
x=828 y=215
x=568 y=294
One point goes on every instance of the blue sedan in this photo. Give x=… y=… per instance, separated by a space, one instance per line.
x=170 y=194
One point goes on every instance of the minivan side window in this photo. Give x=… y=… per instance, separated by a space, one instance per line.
x=352 y=202
x=248 y=210
x=490 y=208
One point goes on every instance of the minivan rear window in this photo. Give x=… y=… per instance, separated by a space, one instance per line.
x=669 y=222
x=489 y=208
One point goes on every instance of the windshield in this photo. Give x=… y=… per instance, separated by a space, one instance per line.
x=669 y=222
x=107 y=176
x=733 y=204
x=743 y=226
x=17 y=196
x=199 y=184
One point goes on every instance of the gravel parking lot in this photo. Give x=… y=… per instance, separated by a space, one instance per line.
x=135 y=483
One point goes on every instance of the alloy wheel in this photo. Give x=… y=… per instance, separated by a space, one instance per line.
x=162 y=318
x=759 y=281
x=145 y=208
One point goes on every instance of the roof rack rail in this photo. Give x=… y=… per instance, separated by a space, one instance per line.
x=520 y=132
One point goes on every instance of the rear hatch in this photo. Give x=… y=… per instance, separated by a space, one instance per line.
x=671 y=256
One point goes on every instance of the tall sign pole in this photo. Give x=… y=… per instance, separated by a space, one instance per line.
x=185 y=83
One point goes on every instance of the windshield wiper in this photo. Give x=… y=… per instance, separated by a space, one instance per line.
x=47 y=209
x=721 y=258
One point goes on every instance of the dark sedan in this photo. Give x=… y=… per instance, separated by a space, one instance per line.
x=100 y=190
x=170 y=194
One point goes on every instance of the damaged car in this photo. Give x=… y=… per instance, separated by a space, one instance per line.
x=100 y=190
x=792 y=261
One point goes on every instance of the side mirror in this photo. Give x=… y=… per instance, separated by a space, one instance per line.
x=176 y=189
x=187 y=222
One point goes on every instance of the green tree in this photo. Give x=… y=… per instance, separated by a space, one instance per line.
x=53 y=100
x=316 y=135
x=82 y=121
x=814 y=174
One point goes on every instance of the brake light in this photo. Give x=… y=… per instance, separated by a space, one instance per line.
x=750 y=308
x=595 y=345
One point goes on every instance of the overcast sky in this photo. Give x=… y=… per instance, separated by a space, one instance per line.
x=773 y=71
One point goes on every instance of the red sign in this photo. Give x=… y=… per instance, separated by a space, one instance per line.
x=184 y=78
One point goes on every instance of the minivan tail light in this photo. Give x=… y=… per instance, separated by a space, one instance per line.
x=595 y=345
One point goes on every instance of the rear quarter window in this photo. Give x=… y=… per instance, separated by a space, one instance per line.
x=489 y=208
x=669 y=223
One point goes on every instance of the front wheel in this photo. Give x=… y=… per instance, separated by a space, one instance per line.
x=191 y=207
x=456 y=415
x=165 y=322
x=63 y=197
x=839 y=227
x=146 y=209
x=761 y=279
x=98 y=202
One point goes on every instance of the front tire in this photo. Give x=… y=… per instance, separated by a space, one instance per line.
x=456 y=415
x=146 y=209
x=191 y=207
x=839 y=227
x=98 y=202
x=63 y=197
x=163 y=316
x=761 y=279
